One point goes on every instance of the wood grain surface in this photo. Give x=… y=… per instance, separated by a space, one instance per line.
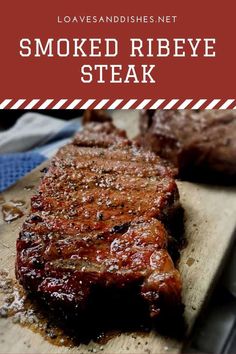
x=209 y=226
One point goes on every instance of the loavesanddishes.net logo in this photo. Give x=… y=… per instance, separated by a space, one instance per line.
x=116 y=19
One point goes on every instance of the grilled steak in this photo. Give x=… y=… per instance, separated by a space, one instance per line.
x=96 y=115
x=97 y=222
x=198 y=143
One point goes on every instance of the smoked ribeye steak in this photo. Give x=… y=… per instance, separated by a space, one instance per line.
x=97 y=222
x=200 y=144
x=96 y=115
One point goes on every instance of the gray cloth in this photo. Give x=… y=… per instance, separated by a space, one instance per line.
x=30 y=131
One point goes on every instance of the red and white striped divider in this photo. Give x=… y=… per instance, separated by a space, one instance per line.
x=118 y=104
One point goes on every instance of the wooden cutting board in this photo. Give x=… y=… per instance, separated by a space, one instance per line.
x=209 y=225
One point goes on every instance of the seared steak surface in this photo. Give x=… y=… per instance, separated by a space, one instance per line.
x=198 y=143
x=97 y=222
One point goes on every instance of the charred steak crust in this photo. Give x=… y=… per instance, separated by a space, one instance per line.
x=97 y=220
x=96 y=115
x=196 y=142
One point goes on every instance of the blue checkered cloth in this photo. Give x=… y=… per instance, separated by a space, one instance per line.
x=14 y=166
